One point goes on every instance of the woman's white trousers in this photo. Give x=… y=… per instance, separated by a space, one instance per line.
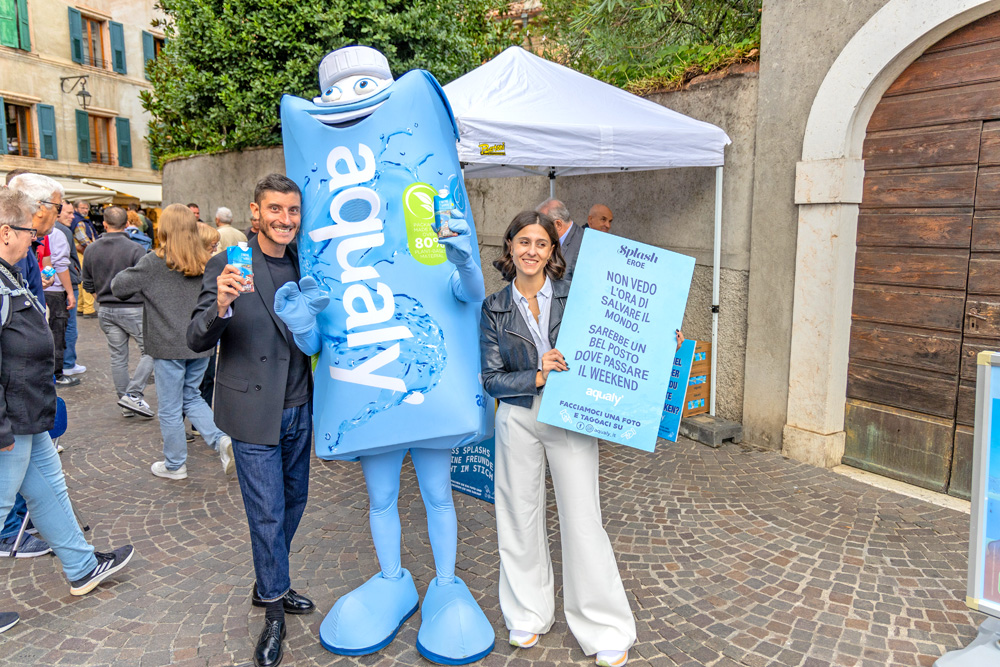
x=597 y=609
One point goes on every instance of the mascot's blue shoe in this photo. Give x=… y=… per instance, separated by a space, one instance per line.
x=368 y=618
x=453 y=629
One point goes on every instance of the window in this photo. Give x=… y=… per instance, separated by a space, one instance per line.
x=100 y=140
x=93 y=43
x=18 y=133
x=87 y=43
x=14 y=28
x=151 y=47
x=103 y=140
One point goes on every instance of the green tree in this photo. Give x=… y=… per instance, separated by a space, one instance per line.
x=641 y=44
x=218 y=80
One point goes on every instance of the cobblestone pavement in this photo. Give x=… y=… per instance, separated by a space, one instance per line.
x=730 y=556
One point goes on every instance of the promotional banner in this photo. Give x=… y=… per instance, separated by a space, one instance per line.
x=618 y=337
x=673 y=405
x=472 y=464
x=984 y=544
x=399 y=364
x=472 y=469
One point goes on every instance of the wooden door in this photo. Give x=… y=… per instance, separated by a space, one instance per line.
x=927 y=273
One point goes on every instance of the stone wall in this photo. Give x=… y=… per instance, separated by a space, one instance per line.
x=799 y=43
x=671 y=209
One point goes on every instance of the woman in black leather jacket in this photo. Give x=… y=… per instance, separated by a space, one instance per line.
x=519 y=327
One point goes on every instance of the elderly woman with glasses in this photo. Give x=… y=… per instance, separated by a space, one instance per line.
x=28 y=459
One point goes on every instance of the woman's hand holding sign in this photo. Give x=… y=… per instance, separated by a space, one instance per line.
x=551 y=361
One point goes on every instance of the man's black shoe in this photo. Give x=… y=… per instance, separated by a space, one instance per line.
x=293 y=603
x=269 y=650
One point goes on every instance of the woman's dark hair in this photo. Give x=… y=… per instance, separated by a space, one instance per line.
x=554 y=268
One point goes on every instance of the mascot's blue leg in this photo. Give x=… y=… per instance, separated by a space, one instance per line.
x=453 y=629
x=368 y=618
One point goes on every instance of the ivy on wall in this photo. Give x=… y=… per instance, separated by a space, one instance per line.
x=641 y=45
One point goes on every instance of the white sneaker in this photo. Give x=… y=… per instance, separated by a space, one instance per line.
x=611 y=658
x=76 y=370
x=160 y=470
x=137 y=405
x=522 y=639
x=226 y=454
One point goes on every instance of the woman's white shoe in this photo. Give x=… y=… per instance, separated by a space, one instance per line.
x=522 y=639
x=611 y=658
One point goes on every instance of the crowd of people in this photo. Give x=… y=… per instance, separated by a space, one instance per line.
x=232 y=365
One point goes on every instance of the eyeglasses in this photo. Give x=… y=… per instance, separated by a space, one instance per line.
x=48 y=203
x=33 y=233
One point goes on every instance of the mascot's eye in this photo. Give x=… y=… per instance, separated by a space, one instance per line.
x=332 y=94
x=365 y=86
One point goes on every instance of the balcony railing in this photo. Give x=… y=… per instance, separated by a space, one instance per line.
x=94 y=61
x=23 y=149
x=101 y=158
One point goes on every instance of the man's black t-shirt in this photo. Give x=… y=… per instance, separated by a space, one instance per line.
x=297 y=385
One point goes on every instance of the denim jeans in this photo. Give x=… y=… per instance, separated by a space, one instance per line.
x=33 y=467
x=58 y=316
x=118 y=325
x=274 y=480
x=208 y=382
x=177 y=395
x=69 y=356
x=12 y=526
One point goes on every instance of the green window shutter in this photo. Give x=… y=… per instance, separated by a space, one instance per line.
x=124 y=142
x=3 y=128
x=22 y=25
x=75 y=36
x=47 y=131
x=148 y=52
x=83 y=135
x=117 y=47
x=8 y=23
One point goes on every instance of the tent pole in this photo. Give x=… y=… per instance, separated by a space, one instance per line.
x=716 y=265
x=552 y=183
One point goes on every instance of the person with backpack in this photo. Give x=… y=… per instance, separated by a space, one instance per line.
x=29 y=462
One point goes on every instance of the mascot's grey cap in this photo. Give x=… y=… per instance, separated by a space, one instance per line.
x=352 y=60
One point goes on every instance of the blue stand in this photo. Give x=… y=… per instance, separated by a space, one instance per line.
x=984 y=651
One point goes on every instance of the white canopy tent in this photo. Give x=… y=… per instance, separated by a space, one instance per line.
x=76 y=190
x=520 y=113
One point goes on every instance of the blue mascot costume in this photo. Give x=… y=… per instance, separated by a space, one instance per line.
x=398 y=364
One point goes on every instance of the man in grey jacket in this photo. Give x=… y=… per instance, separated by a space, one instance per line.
x=570 y=235
x=120 y=319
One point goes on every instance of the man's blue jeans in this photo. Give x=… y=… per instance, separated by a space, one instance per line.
x=33 y=467
x=177 y=395
x=69 y=356
x=118 y=325
x=274 y=480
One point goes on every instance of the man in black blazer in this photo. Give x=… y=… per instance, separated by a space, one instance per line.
x=570 y=235
x=263 y=399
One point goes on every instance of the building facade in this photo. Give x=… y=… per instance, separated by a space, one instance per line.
x=70 y=79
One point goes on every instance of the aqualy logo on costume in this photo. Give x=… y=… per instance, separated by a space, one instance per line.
x=355 y=236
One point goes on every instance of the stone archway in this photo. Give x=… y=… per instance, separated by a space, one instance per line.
x=828 y=190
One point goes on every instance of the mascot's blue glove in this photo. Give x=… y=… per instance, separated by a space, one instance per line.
x=298 y=306
x=467 y=281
